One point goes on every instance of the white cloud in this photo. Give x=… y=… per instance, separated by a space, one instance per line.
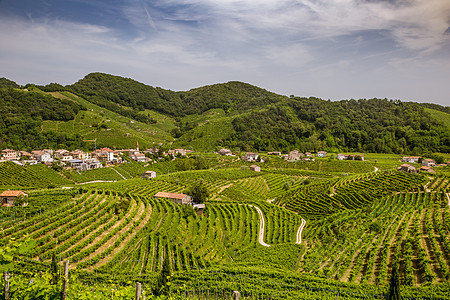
x=414 y=24
x=329 y=49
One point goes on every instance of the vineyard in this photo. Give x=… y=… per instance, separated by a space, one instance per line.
x=283 y=233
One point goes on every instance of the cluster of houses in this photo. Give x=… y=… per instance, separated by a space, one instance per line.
x=80 y=160
x=294 y=155
x=427 y=165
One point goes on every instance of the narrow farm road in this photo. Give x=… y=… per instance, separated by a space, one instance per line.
x=261 y=226
x=119 y=173
x=95 y=181
x=299 y=232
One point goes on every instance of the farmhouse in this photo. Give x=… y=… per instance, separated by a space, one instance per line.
x=255 y=168
x=277 y=153
x=294 y=155
x=407 y=168
x=428 y=162
x=427 y=169
x=350 y=156
x=251 y=156
x=321 y=154
x=8 y=197
x=177 y=198
x=149 y=174
x=411 y=159
x=182 y=152
x=224 y=151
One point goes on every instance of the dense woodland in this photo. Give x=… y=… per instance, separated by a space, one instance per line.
x=376 y=125
x=261 y=120
x=21 y=116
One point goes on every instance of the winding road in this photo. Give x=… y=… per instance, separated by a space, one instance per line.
x=261 y=226
x=299 y=232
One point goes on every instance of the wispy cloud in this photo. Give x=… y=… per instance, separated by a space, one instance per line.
x=326 y=48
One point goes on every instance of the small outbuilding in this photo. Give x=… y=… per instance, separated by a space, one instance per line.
x=428 y=163
x=407 y=168
x=8 y=197
x=149 y=174
x=255 y=168
x=427 y=169
x=176 y=198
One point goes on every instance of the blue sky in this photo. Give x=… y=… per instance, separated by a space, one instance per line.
x=332 y=49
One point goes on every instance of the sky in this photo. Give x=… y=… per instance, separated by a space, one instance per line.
x=330 y=49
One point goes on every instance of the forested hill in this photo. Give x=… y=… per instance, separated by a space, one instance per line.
x=112 y=92
x=241 y=116
x=21 y=116
x=311 y=124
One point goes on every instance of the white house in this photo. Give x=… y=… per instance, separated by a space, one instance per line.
x=251 y=156
x=42 y=156
x=428 y=163
x=411 y=159
x=149 y=174
x=341 y=156
x=321 y=154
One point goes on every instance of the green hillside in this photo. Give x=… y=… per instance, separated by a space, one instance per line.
x=22 y=114
x=118 y=112
x=40 y=176
x=110 y=128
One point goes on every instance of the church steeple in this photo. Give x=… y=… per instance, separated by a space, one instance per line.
x=137 y=146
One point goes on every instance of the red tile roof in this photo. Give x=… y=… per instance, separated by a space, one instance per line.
x=169 y=195
x=12 y=193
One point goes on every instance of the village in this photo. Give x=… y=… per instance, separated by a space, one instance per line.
x=79 y=160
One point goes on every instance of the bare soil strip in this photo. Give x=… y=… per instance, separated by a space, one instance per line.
x=128 y=238
x=261 y=227
x=106 y=232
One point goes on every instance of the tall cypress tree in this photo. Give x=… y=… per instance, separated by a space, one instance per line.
x=394 y=284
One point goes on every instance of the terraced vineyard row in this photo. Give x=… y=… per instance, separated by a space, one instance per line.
x=361 y=245
x=322 y=198
x=109 y=231
x=12 y=174
x=175 y=182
